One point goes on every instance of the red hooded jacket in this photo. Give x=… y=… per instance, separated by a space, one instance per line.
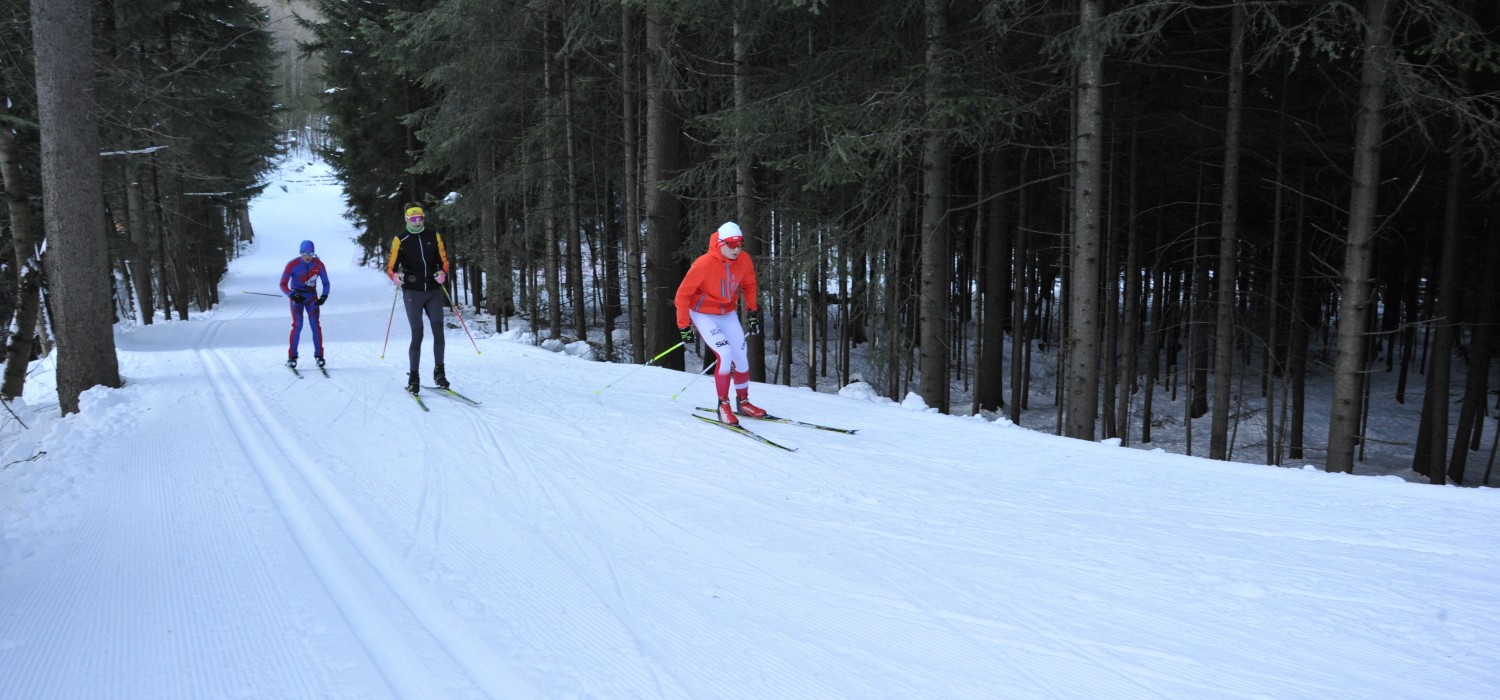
x=713 y=284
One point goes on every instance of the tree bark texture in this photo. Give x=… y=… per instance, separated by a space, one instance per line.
x=664 y=212
x=1349 y=360
x=937 y=260
x=72 y=195
x=28 y=267
x=1228 y=239
x=1082 y=401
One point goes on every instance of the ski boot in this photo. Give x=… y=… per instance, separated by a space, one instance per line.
x=320 y=362
x=439 y=377
x=726 y=415
x=292 y=362
x=413 y=383
x=750 y=409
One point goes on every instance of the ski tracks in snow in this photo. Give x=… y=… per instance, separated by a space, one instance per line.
x=281 y=464
x=526 y=470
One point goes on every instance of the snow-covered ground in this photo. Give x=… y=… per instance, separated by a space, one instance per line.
x=219 y=528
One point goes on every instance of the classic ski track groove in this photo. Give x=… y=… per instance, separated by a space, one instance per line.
x=401 y=666
x=528 y=483
x=533 y=478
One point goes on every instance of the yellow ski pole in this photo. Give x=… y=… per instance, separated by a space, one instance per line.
x=648 y=364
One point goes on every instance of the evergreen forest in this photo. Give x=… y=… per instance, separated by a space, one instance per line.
x=1217 y=198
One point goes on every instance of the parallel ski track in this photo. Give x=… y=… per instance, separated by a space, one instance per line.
x=525 y=469
x=534 y=478
x=269 y=445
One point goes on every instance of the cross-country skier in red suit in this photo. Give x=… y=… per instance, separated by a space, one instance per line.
x=709 y=299
x=299 y=281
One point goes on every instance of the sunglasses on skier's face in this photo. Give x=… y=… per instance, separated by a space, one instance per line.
x=732 y=244
x=415 y=218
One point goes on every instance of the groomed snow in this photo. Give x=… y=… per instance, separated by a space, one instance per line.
x=218 y=528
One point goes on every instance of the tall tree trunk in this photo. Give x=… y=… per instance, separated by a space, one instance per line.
x=28 y=267
x=1431 y=453
x=612 y=235
x=1349 y=361
x=182 y=273
x=632 y=228
x=159 y=218
x=747 y=212
x=1274 y=355
x=1297 y=336
x=664 y=214
x=575 y=225
x=1228 y=238
x=1130 y=325
x=1082 y=342
x=489 y=231
x=73 y=197
x=142 y=234
x=937 y=260
x=989 y=389
x=1472 y=417
x=1020 y=337
x=553 y=269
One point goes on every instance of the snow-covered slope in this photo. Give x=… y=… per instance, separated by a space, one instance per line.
x=220 y=528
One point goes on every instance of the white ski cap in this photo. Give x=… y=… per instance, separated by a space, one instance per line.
x=730 y=231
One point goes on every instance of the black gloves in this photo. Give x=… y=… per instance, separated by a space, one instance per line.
x=322 y=299
x=755 y=322
x=687 y=334
x=299 y=298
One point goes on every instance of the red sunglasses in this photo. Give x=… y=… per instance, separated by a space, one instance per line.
x=733 y=243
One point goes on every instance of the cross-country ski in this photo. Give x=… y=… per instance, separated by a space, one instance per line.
x=768 y=418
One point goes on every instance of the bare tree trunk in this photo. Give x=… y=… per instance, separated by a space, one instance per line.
x=1274 y=356
x=1471 y=417
x=1020 y=337
x=575 y=234
x=73 y=197
x=159 y=225
x=937 y=260
x=548 y=212
x=1349 y=361
x=142 y=233
x=1130 y=325
x=1296 y=339
x=489 y=232
x=182 y=277
x=633 y=254
x=1431 y=453
x=1082 y=341
x=28 y=266
x=612 y=234
x=989 y=389
x=1110 y=273
x=1228 y=238
x=664 y=214
x=747 y=212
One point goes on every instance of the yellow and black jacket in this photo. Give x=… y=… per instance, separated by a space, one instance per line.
x=418 y=256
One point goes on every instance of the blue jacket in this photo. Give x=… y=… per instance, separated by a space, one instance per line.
x=298 y=276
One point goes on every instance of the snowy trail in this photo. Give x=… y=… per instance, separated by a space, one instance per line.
x=221 y=528
x=395 y=659
x=406 y=674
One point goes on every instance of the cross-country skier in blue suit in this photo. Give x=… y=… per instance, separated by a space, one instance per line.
x=299 y=281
